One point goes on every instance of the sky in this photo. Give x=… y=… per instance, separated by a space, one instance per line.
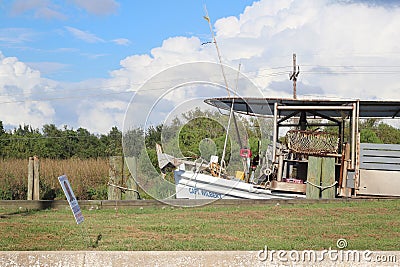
x=79 y=62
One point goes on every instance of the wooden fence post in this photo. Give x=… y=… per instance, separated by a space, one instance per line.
x=130 y=182
x=30 y=179
x=33 y=179
x=115 y=174
x=36 y=179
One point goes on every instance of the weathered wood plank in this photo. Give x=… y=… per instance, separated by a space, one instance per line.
x=313 y=177
x=289 y=187
x=36 y=179
x=116 y=167
x=328 y=177
x=130 y=182
x=30 y=179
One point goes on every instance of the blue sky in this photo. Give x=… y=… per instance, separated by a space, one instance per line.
x=69 y=42
x=79 y=62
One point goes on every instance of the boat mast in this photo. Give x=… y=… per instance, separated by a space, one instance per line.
x=206 y=17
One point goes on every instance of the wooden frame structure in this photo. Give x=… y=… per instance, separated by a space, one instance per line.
x=344 y=114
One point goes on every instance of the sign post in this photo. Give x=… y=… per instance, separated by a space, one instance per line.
x=73 y=203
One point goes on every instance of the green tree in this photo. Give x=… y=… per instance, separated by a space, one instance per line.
x=369 y=136
x=114 y=144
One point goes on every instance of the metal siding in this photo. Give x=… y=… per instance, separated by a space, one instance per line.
x=380 y=183
x=379 y=169
x=380 y=157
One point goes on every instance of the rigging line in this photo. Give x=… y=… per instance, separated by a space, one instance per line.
x=234 y=118
x=231 y=114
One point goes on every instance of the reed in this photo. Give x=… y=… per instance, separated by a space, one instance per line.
x=88 y=178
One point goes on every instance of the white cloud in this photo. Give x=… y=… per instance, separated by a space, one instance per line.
x=99 y=116
x=16 y=35
x=98 y=7
x=48 y=13
x=345 y=50
x=19 y=87
x=121 y=41
x=84 y=35
x=44 y=9
x=349 y=39
x=47 y=67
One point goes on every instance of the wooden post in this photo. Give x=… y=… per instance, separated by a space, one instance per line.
x=293 y=76
x=30 y=179
x=313 y=177
x=328 y=177
x=343 y=190
x=115 y=174
x=280 y=168
x=357 y=167
x=130 y=182
x=320 y=174
x=36 y=178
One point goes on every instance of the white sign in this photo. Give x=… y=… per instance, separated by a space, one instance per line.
x=73 y=203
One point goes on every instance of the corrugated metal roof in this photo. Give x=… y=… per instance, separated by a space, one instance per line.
x=331 y=108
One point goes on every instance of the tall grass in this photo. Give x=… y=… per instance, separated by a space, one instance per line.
x=88 y=178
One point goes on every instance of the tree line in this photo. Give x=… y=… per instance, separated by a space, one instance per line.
x=58 y=143
x=64 y=143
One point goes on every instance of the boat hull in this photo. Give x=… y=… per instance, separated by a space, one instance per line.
x=194 y=185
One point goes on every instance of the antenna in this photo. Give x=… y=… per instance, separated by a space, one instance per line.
x=293 y=76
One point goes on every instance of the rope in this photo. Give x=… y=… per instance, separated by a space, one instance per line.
x=124 y=188
x=322 y=188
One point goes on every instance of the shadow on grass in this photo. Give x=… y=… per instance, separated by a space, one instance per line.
x=39 y=206
x=18 y=213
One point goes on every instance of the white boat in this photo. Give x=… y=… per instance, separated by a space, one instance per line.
x=196 y=181
x=195 y=185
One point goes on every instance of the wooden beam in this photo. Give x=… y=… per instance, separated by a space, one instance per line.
x=313 y=177
x=289 y=187
x=328 y=177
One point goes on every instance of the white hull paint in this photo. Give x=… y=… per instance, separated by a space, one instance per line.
x=191 y=185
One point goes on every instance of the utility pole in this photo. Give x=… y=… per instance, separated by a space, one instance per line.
x=293 y=76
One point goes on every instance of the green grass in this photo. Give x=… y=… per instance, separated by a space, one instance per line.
x=373 y=225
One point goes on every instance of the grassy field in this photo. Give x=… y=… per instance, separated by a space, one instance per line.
x=373 y=225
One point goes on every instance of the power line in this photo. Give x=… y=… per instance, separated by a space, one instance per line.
x=313 y=69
